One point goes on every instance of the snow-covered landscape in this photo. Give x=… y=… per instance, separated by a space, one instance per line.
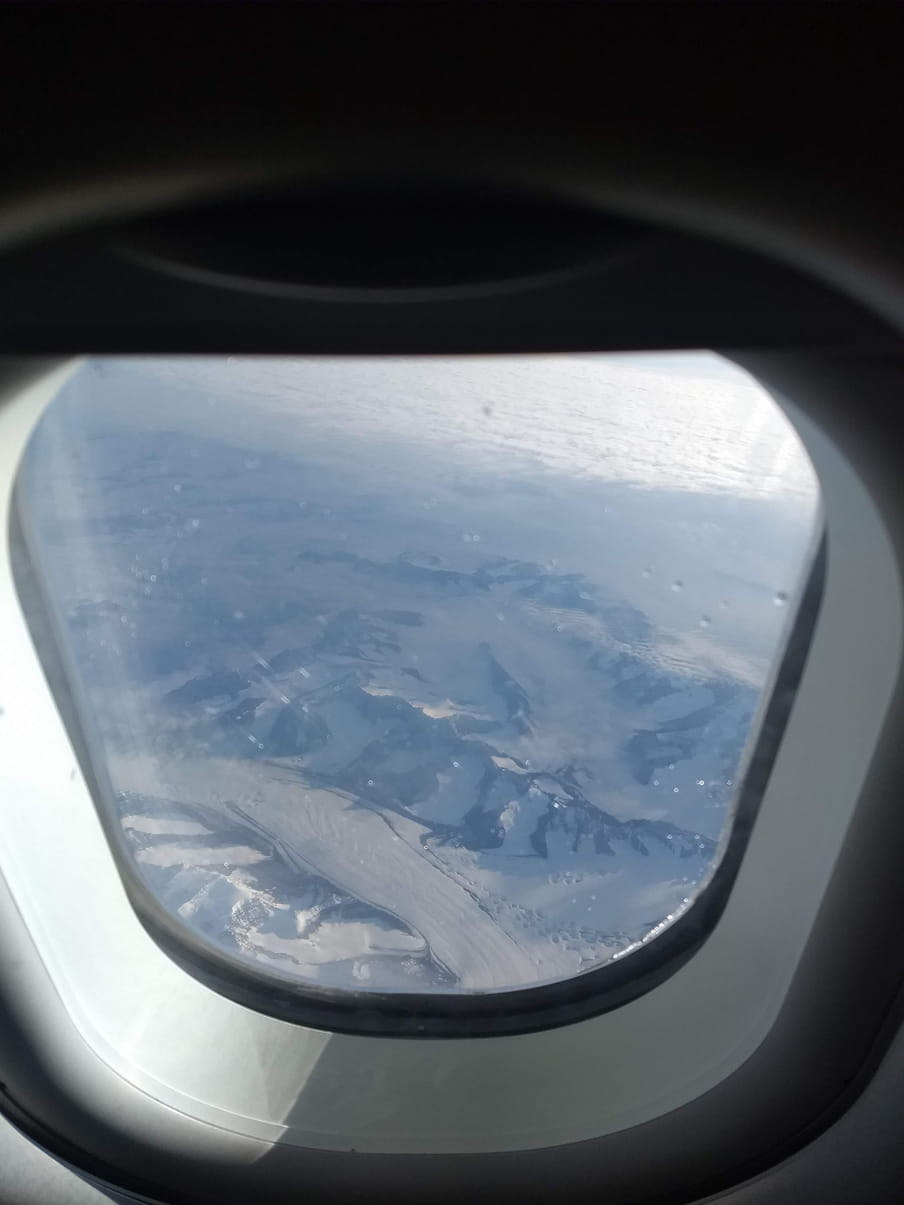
x=419 y=675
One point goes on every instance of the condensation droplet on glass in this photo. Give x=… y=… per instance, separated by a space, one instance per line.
x=177 y=489
x=196 y=523
x=647 y=572
x=780 y=598
x=677 y=585
x=500 y=617
x=675 y=790
x=705 y=621
x=700 y=782
x=238 y=614
x=655 y=782
x=456 y=764
x=671 y=765
x=370 y=782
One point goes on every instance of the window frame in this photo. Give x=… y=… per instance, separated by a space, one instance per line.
x=636 y=971
x=90 y=1059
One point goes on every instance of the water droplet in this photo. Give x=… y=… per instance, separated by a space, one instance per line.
x=177 y=489
x=675 y=790
x=705 y=621
x=238 y=614
x=647 y=572
x=700 y=782
x=780 y=598
x=655 y=782
x=370 y=782
x=678 y=585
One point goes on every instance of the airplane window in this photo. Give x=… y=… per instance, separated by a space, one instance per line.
x=420 y=675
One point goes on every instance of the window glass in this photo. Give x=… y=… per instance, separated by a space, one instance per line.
x=421 y=675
